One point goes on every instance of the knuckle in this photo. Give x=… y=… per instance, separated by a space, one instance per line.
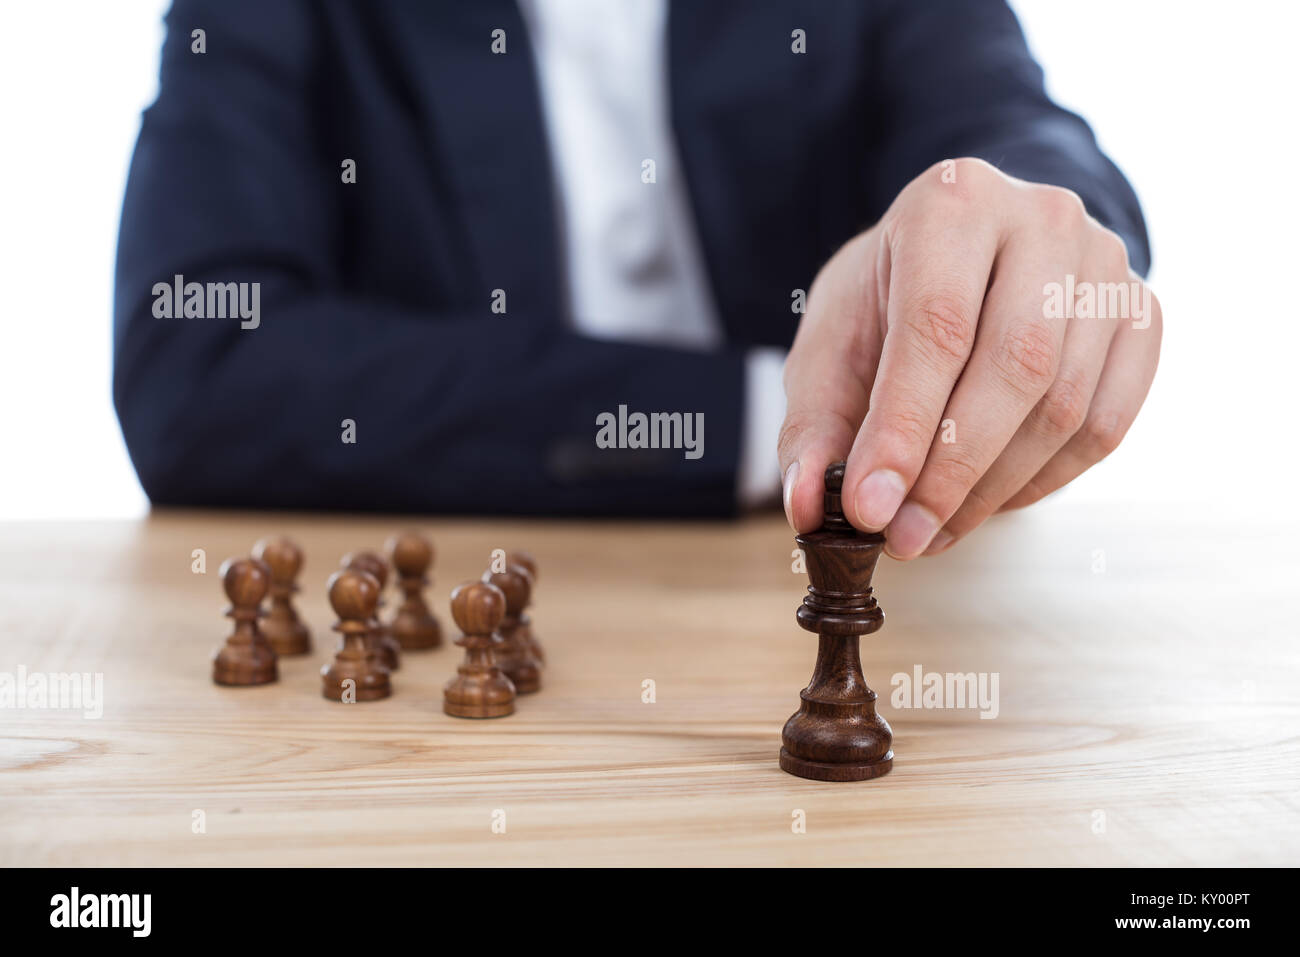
x=969 y=169
x=1063 y=410
x=977 y=507
x=975 y=167
x=944 y=326
x=909 y=428
x=962 y=524
x=1027 y=358
x=956 y=471
x=1059 y=205
x=794 y=430
x=1113 y=253
x=951 y=183
x=1033 y=491
x=1102 y=433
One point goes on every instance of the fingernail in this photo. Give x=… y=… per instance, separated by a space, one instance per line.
x=878 y=498
x=787 y=491
x=911 y=531
x=939 y=543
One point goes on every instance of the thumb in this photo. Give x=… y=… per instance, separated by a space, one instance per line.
x=829 y=374
x=810 y=441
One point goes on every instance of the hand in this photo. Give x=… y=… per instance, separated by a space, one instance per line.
x=937 y=357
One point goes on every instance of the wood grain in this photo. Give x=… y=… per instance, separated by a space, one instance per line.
x=1147 y=661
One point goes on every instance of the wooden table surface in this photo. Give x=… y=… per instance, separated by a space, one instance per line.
x=1147 y=711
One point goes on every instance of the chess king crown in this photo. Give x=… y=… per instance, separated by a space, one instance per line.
x=840 y=561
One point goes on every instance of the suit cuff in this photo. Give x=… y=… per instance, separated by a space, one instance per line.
x=758 y=477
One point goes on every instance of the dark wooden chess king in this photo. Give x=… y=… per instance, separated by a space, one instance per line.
x=836 y=734
x=246 y=658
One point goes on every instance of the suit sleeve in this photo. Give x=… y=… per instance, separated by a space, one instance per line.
x=955 y=78
x=452 y=411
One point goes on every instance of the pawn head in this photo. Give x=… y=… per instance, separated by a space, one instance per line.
x=368 y=561
x=354 y=594
x=524 y=559
x=246 y=581
x=410 y=552
x=284 y=557
x=515 y=584
x=477 y=607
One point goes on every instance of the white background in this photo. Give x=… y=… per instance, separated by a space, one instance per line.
x=1195 y=101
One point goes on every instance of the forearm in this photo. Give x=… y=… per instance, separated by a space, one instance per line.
x=446 y=412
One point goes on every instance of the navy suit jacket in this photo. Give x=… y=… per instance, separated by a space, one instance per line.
x=376 y=296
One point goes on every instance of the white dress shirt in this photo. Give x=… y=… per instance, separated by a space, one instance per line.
x=633 y=267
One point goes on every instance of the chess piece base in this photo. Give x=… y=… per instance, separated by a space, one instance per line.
x=478 y=709
x=518 y=664
x=474 y=694
x=370 y=687
x=821 y=771
x=836 y=735
x=525 y=680
x=240 y=674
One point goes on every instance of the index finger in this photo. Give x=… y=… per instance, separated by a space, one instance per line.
x=940 y=268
